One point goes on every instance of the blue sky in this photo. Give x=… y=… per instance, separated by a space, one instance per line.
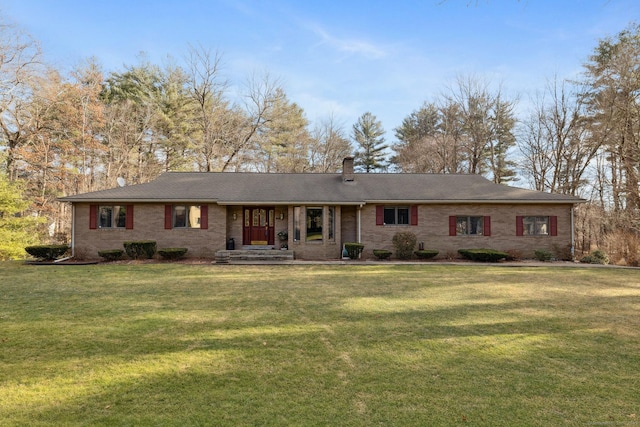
x=339 y=58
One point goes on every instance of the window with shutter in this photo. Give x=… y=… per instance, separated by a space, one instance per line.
x=469 y=226
x=111 y=216
x=185 y=216
x=537 y=226
x=396 y=215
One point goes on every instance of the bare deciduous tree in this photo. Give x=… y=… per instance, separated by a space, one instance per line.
x=556 y=142
x=20 y=64
x=470 y=130
x=328 y=147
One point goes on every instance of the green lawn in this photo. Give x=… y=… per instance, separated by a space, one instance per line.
x=387 y=345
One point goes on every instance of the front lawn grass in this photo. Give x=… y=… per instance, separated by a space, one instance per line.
x=392 y=345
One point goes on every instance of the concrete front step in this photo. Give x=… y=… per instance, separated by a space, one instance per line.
x=224 y=257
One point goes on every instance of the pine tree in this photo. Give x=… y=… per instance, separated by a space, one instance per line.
x=367 y=133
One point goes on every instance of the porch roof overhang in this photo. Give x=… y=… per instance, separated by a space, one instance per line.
x=291 y=203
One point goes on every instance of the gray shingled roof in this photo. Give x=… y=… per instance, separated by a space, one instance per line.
x=310 y=188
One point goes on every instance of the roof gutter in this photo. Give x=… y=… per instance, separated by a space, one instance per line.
x=476 y=202
x=323 y=202
x=133 y=200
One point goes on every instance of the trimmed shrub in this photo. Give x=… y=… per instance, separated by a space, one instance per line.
x=382 y=253
x=426 y=253
x=542 y=255
x=140 y=249
x=111 y=254
x=483 y=255
x=47 y=252
x=354 y=249
x=405 y=243
x=172 y=253
x=596 y=257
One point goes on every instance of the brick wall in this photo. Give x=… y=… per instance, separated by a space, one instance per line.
x=433 y=228
x=148 y=224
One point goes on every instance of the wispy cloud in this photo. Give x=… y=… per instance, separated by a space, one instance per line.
x=349 y=46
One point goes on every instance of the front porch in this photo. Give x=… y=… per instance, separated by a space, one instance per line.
x=315 y=232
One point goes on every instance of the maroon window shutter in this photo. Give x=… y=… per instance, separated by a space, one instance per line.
x=414 y=215
x=519 y=226
x=487 y=226
x=128 y=222
x=553 y=225
x=168 y=217
x=379 y=215
x=452 y=225
x=93 y=217
x=204 y=216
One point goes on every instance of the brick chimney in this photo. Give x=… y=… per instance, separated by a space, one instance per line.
x=347 y=170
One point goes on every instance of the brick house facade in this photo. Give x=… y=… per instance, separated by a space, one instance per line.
x=204 y=212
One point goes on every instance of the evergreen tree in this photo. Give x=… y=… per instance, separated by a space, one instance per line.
x=16 y=230
x=367 y=133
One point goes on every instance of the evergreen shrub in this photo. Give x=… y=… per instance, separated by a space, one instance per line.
x=483 y=255
x=46 y=252
x=596 y=257
x=140 y=249
x=172 y=253
x=354 y=249
x=426 y=253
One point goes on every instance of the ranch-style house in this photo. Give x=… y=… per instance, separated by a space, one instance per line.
x=313 y=214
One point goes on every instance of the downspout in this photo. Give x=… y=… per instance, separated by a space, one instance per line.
x=573 y=237
x=73 y=235
x=359 y=237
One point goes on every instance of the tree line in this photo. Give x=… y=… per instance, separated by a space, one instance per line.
x=88 y=129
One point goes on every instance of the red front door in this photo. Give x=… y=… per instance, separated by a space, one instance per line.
x=258 y=225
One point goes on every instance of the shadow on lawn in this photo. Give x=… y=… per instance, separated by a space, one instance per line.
x=286 y=378
x=295 y=354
